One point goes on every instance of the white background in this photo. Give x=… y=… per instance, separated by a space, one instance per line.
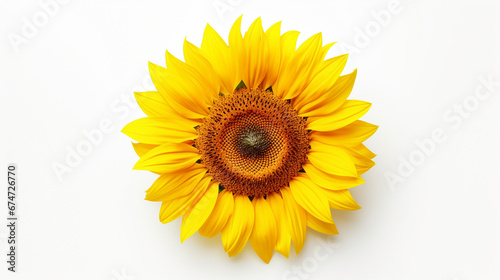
x=82 y=63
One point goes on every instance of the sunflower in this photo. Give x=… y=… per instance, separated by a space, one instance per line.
x=254 y=139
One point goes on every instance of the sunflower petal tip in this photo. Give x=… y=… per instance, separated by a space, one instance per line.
x=183 y=238
x=266 y=260
x=151 y=64
x=137 y=165
x=238 y=20
x=208 y=28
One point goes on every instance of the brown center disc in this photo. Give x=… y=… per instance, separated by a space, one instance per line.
x=252 y=142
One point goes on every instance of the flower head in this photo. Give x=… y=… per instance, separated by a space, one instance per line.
x=255 y=140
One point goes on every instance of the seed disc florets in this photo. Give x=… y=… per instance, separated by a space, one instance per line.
x=252 y=142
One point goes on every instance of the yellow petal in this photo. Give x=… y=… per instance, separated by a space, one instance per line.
x=274 y=59
x=235 y=37
x=154 y=105
x=141 y=148
x=168 y=157
x=363 y=165
x=363 y=169
x=324 y=50
x=363 y=150
x=288 y=43
x=322 y=82
x=351 y=134
x=177 y=91
x=341 y=200
x=220 y=215
x=320 y=226
x=304 y=192
x=237 y=51
x=264 y=233
x=255 y=63
x=331 y=100
x=359 y=159
x=360 y=151
x=331 y=159
x=239 y=226
x=219 y=55
x=204 y=70
x=176 y=184
x=350 y=111
x=198 y=214
x=330 y=181
x=159 y=75
x=188 y=79
x=159 y=131
x=361 y=162
x=283 y=237
x=295 y=218
x=173 y=209
x=301 y=68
